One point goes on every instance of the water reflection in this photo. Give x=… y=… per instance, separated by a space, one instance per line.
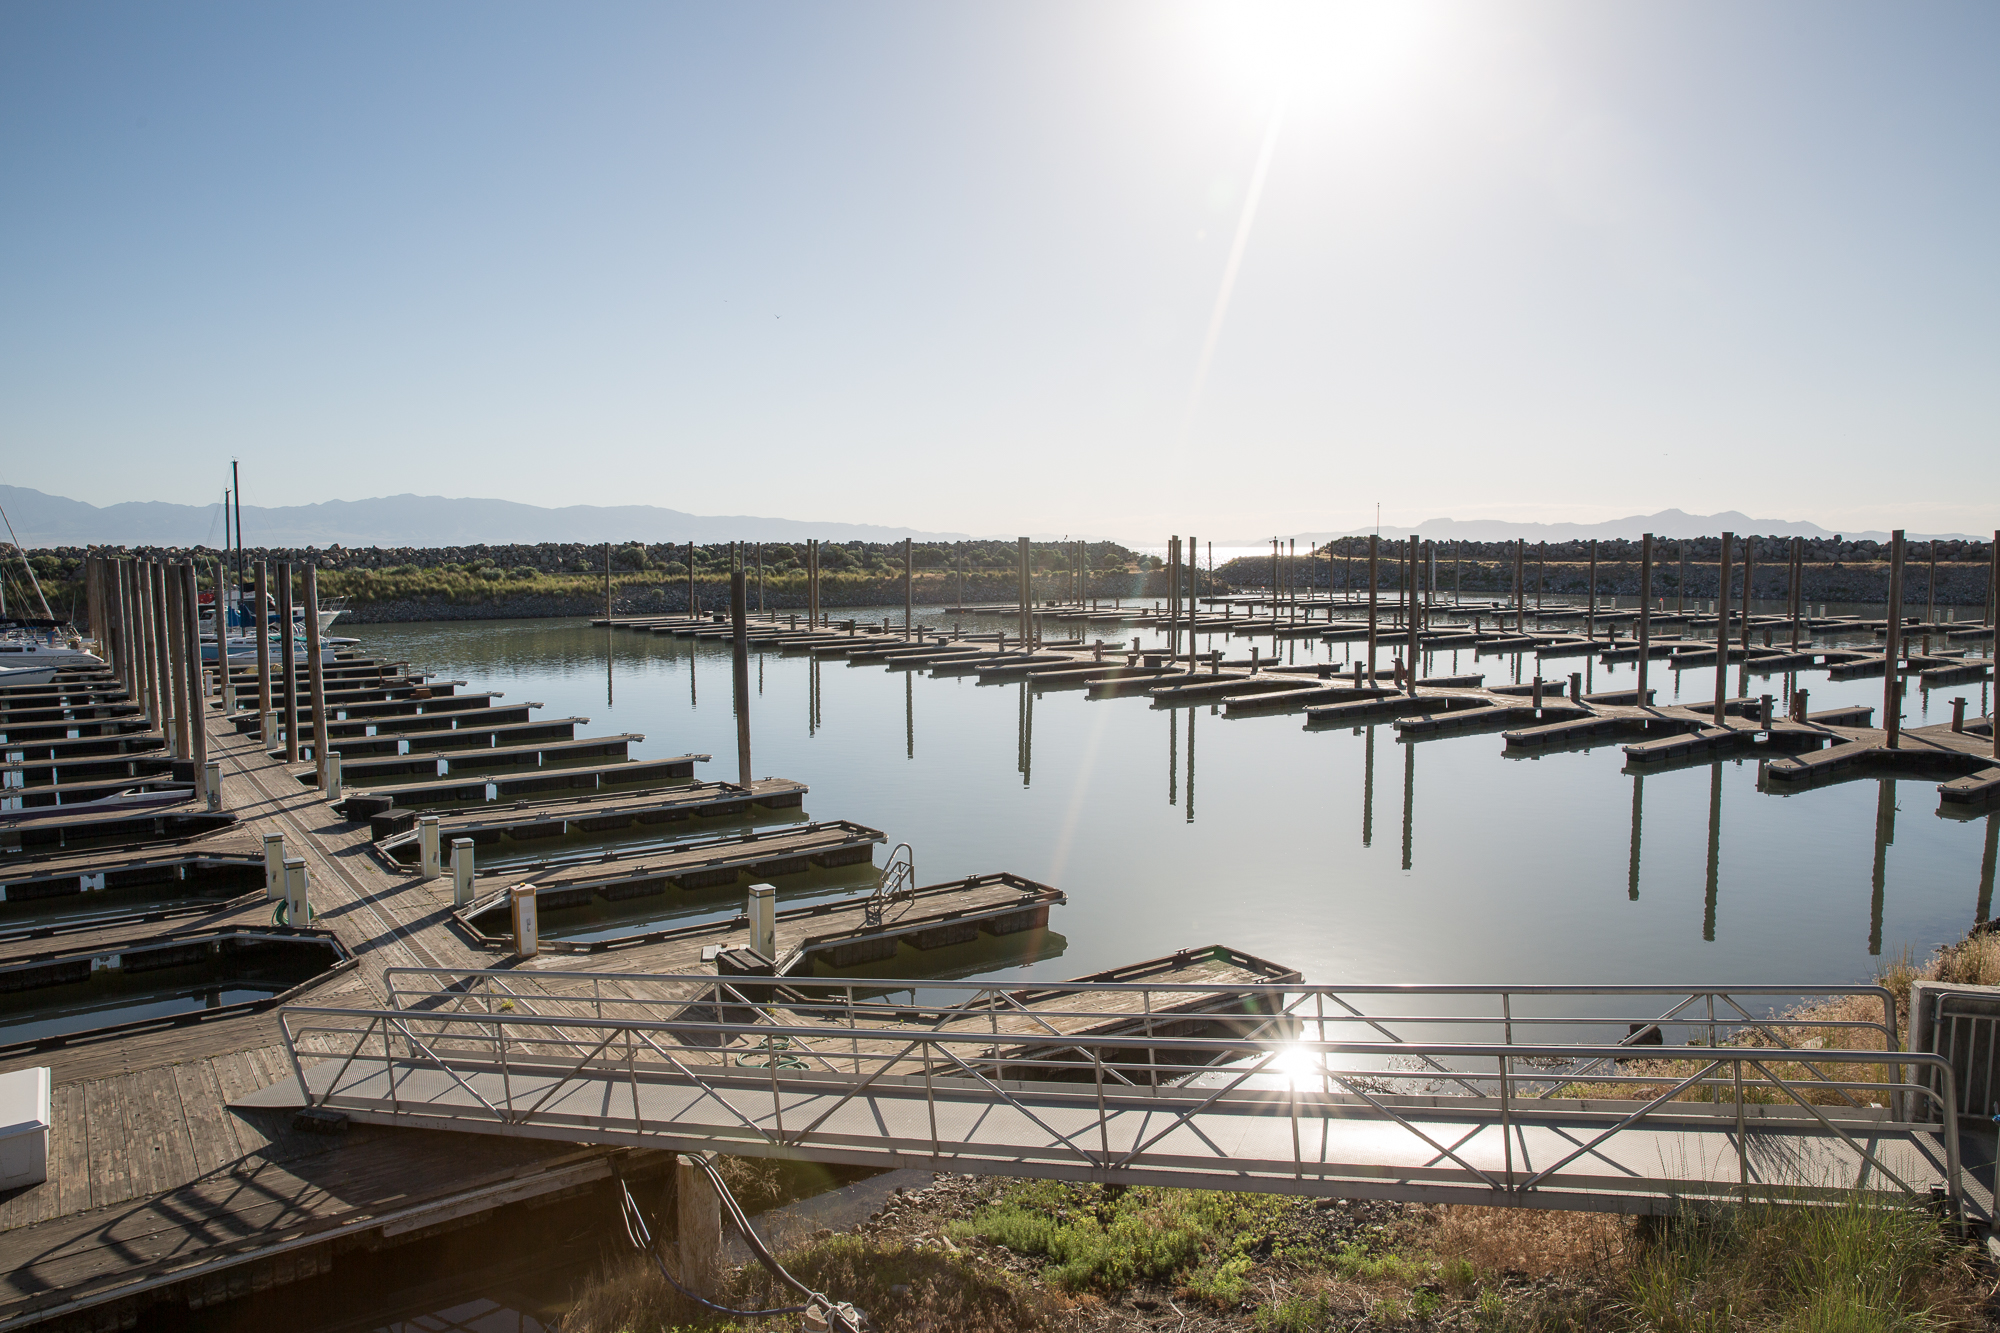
x=1638 y=816
x=1409 y=796
x=1025 y=746
x=1368 y=789
x=1099 y=760
x=1885 y=836
x=1714 y=850
x=1190 y=767
x=1985 y=907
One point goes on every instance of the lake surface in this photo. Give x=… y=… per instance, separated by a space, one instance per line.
x=1347 y=853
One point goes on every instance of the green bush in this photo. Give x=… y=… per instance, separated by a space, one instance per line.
x=1854 y=1267
x=1107 y=1239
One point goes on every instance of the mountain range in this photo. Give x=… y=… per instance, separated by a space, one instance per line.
x=405 y=520
x=1666 y=523
x=41 y=519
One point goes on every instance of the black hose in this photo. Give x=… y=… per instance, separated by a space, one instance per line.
x=641 y=1237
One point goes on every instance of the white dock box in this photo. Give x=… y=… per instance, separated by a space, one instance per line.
x=24 y=1128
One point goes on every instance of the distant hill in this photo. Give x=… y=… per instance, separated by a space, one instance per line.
x=406 y=520
x=1666 y=523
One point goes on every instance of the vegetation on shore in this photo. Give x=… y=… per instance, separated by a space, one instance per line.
x=995 y=1255
x=990 y=1254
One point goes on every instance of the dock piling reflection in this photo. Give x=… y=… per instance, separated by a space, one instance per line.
x=1638 y=816
x=1885 y=837
x=1714 y=850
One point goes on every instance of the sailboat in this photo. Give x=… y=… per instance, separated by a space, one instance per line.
x=33 y=650
x=241 y=621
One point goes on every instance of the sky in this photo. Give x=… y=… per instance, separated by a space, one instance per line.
x=1116 y=269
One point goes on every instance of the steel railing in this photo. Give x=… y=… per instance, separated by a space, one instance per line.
x=1178 y=1055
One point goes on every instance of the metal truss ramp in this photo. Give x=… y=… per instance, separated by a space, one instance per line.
x=1257 y=1088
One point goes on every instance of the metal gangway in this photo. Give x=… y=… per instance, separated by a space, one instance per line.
x=1524 y=1096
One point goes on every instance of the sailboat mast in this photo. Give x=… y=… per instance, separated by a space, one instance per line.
x=236 y=489
x=32 y=580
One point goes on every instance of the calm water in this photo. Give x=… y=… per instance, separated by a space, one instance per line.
x=1344 y=852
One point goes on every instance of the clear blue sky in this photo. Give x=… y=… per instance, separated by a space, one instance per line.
x=958 y=266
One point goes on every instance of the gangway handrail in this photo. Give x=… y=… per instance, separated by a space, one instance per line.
x=469 y=1046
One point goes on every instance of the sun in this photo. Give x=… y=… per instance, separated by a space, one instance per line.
x=1298 y=55
x=1298 y=1065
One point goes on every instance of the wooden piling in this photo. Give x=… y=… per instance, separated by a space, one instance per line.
x=1277 y=595
x=191 y=629
x=1645 y=612
x=163 y=670
x=114 y=619
x=1520 y=586
x=128 y=629
x=1193 y=593
x=1892 y=679
x=177 y=646
x=127 y=624
x=92 y=608
x=142 y=639
x=1993 y=591
x=739 y=625
x=698 y=1230
x=1749 y=575
x=316 y=677
x=100 y=613
x=1410 y=671
x=1722 y=630
x=909 y=593
x=1798 y=587
x=1930 y=588
x=288 y=659
x=142 y=625
x=607 y=580
x=1374 y=541
x=263 y=633
x=1026 y=615
x=1590 y=603
x=692 y=609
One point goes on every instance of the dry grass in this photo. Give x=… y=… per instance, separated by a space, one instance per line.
x=1530 y=1243
x=900 y=1286
x=627 y=1295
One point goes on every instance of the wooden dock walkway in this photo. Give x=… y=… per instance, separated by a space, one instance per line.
x=158 y=1190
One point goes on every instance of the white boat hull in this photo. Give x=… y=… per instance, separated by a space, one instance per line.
x=27 y=675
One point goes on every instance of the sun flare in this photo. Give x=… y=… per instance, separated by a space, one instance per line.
x=1298 y=54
